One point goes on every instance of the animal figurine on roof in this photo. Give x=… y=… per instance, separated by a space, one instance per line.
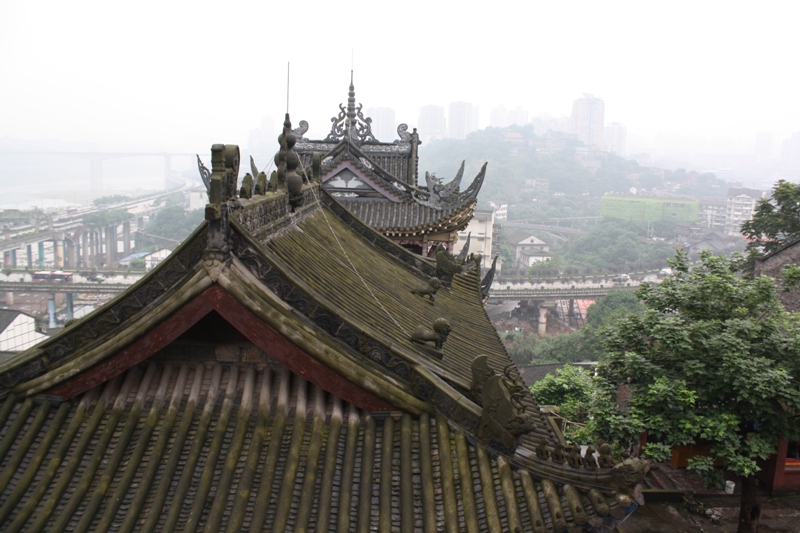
x=428 y=289
x=441 y=329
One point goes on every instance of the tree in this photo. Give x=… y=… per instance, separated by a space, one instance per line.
x=173 y=222
x=570 y=389
x=714 y=360
x=776 y=221
x=566 y=348
x=584 y=344
x=615 y=304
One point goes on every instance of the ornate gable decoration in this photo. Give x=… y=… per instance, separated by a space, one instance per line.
x=350 y=123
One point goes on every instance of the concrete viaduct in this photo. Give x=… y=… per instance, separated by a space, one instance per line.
x=545 y=298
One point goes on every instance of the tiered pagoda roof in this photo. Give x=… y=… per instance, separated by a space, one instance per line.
x=288 y=368
x=377 y=181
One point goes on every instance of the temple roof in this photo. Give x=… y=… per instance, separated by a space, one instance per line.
x=286 y=368
x=390 y=168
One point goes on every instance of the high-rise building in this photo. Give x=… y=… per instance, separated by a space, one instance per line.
x=517 y=116
x=740 y=207
x=587 y=121
x=262 y=140
x=544 y=123
x=790 y=155
x=713 y=212
x=615 y=137
x=498 y=118
x=432 y=123
x=462 y=119
x=383 y=123
x=764 y=146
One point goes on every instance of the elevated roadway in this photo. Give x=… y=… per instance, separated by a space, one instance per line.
x=497 y=295
x=67 y=223
x=80 y=287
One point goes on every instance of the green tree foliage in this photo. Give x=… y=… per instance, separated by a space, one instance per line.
x=570 y=389
x=566 y=348
x=574 y=189
x=111 y=217
x=173 y=222
x=614 y=305
x=523 y=347
x=616 y=245
x=714 y=359
x=584 y=344
x=112 y=199
x=176 y=198
x=776 y=220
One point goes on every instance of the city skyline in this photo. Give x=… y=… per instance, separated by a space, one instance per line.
x=154 y=77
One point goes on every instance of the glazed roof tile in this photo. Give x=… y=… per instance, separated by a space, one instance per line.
x=211 y=447
x=408 y=218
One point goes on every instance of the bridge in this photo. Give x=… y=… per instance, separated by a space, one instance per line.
x=69 y=289
x=561 y=228
x=547 y=298
x=80 y=287
x=557 y=293
x=76 y=244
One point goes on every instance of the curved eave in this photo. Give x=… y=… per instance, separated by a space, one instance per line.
x=112 y=326
x=449 y=223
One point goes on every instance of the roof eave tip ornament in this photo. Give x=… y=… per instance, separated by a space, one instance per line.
x=440 y=196
x=222 y=198
x=350 y=124
x=287 y=162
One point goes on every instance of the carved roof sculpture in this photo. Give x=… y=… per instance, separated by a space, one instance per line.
x=377 y=181
x=288 y=368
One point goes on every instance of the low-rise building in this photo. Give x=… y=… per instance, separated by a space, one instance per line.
x=18 y=331
x=528 y=249
x=712 y=212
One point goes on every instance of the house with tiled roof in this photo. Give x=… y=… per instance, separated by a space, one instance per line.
x=377 y=182
x=289 y=368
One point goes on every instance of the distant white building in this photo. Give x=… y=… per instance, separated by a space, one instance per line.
x=462 y=119
x=197 y=199
x=432 y=124
x=741 y=204
x=528 y=249
x=712 y=213
x=616 y=135
x=480 y=234
x=383 y=123
x=152 y=260
x=500 y=211
x=587 y=121
x=18 y=331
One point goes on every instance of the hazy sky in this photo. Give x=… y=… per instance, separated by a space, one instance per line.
x=181 y=75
